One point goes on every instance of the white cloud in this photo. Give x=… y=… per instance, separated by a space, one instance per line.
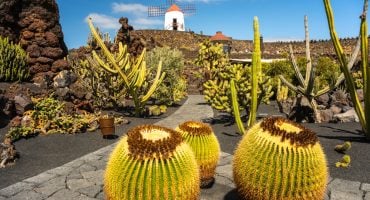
x=104 y=21
x=136 y=9
x=146 y=23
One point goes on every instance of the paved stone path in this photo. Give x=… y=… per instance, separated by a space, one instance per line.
x=82 y=179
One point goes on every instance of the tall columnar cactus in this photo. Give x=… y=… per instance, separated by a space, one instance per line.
x=13 y=62
x=259 y=88
x=256 y=71
x=152 y=162
x=205 y=146
x=362 y=112
x=306 y=87
x=134 y=76
x=279 y=159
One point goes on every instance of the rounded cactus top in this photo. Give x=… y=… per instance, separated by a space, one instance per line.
x=195 y=128
x=287 y=132
x=151 y=141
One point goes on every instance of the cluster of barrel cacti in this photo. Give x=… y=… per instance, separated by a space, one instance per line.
x=13 y=61
x=279 y=159
x=152 y=162
x=133 y=75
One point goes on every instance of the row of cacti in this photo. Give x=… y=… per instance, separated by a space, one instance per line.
x=276 y=159
x=154 y=162
x=363 y=112
x=133 y=75
x=13 y=62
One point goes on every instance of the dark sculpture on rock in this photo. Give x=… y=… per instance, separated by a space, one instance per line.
x=126 y=36
x=35 y=25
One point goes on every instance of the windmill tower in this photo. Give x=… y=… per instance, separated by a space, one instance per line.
x=173 y=13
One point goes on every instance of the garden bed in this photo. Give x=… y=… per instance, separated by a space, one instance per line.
x=41 y=153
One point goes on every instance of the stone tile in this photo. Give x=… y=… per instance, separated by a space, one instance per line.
x=86 y=168
x=365 y=187
x=100 y=196
x=52 y=186
x=62 y=170
x=367 y=196
x=104 y=151
x=64 y=194
x=27 y=195
x=75 y=175
x=344 y=185
x=95 y=177
x=226 y=160
x=76 y=184
x=91 y=157
x=15 y=188
x=75 y=163
x=340 y=195
x=98 y=164
x=224 y=181
x=226 y=171
x=3 y=198
x=41 y=178
x=91 y=191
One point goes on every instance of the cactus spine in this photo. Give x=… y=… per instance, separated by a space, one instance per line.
x=205 y=146
x=134 y=76
x=363 y=113
x=279 y=159
x=152 y=162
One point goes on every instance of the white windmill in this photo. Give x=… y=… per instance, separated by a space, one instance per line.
x=173 y=14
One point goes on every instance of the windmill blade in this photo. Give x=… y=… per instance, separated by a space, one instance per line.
x=188 y=9
x=156 y=11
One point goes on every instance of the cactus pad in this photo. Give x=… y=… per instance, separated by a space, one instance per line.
x=152 y=162
x=205 y=146
x=279 y=159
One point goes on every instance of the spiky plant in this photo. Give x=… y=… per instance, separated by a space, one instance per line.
x=279 y=159
x=205 y=146
x=152 y=162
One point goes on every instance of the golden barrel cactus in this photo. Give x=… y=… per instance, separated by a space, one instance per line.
x=279 y=159
x=205 y=146
x=151 y=162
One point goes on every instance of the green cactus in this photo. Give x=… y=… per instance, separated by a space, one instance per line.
x=341 y=148
x=306 y=85
x=256 y=72
x=281 y=91
x=345 y=162
x=151 y=162
x=362 y=112
x=280 y=159
x=258 y=90
x=13 y=62
x=134 y=76
x=205 y=146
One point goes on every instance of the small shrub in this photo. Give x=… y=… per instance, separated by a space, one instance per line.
x=173 y=87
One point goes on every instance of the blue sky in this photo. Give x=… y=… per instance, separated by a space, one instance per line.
x=279 y=19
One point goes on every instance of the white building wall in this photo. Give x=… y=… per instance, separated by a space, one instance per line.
x=168 y=20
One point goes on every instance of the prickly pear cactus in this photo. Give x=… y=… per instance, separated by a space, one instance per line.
x=279 y=159
x=205 y=146
x=152 y=162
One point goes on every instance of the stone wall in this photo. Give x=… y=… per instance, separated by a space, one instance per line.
x=35 y=25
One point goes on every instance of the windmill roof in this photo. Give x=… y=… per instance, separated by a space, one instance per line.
x=174 y=7
x=219 y=37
